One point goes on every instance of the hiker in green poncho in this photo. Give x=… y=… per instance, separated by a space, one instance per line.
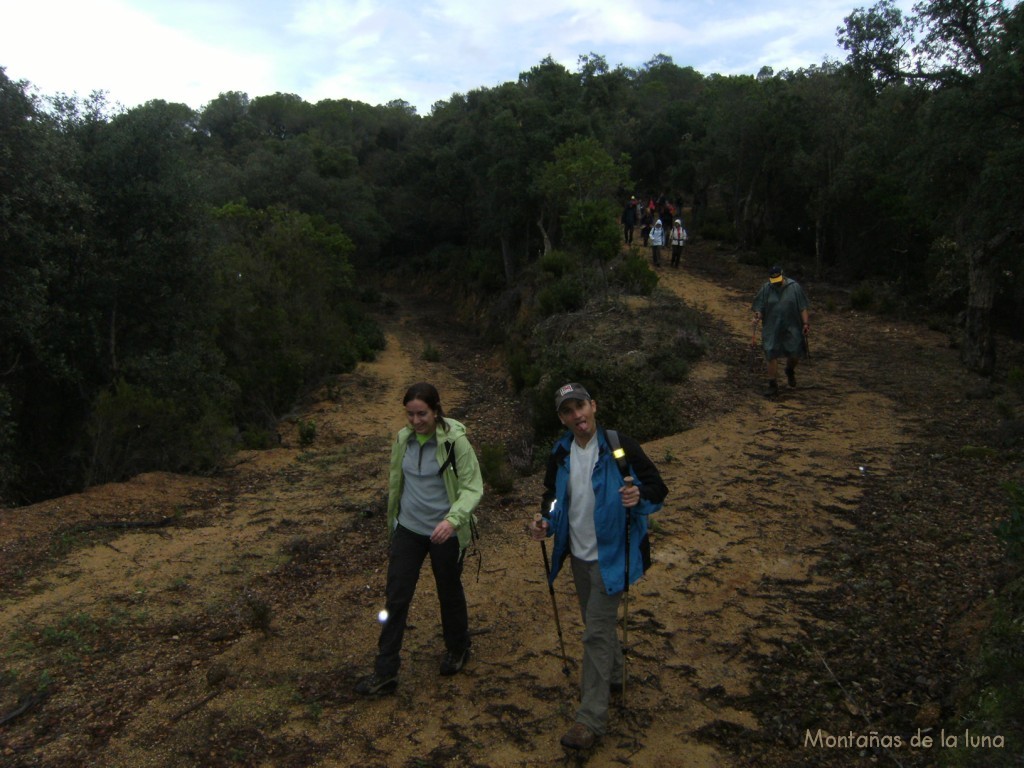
x=781 y=307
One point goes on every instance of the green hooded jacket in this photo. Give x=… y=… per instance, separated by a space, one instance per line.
x=463 y=482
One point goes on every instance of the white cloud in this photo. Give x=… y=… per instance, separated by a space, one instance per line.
x=106 y=45
x=420 y=51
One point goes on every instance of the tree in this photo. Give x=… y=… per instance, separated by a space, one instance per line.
x=967 y=53
x=582 y=181
x=286 y=315
x=666 y=123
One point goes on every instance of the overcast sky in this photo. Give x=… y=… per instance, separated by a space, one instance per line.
x=421 y=51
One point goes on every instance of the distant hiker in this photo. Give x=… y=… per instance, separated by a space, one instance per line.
x=657 y=241
x=666 y=214
x=782 y=309
x=629 y=220
x=586 y=505
x=645 y=225
x=434 y=484
x=677 y=238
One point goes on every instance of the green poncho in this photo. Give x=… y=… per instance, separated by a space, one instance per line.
x=781 y=305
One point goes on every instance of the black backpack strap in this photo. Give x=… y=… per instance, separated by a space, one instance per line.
x=449 y=460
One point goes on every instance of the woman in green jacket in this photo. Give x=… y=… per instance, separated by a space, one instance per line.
x=434 y=484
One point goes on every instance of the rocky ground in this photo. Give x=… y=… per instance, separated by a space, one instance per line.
x=822 y=566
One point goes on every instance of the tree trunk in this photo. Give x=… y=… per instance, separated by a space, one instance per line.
x=508 y=260
x=544 y=234
x=113 y=341
x=819 y=246
x=978 y=351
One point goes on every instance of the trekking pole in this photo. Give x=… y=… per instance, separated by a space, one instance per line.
x=554 y=603
x=753 y=345
x=625 y=597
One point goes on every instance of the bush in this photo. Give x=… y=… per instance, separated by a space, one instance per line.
x=862 y=297
x=633 y=275
x=1015 y=380
x=992 y=694
x=673 y=368
x=565 y=295
x=1011 y=530
x=8 y=432
x=557 y=263
x=683 y=343
x=133 y=430
x=876 y=296
x=716 y=226
x=522 y=367
x=630 y=398
x=307 y=433
x=495 y=468
x=258 y=438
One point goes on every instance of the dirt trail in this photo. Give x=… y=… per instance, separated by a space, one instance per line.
x=234 y=635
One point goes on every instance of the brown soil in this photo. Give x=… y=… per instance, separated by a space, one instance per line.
x=821 y=563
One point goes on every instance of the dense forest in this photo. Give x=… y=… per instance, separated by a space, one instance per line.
x=173 y=280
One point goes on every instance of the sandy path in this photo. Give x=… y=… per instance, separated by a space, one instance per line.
x=240 y=634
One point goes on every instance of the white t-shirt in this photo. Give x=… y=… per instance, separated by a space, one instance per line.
x=582 y=533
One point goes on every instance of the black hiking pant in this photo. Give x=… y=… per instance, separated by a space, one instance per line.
x=408 y=551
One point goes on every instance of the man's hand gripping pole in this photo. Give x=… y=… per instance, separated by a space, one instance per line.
x=551 y=590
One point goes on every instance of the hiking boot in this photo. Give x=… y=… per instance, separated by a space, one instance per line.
x=377 y=685
x=771 y=389
x=453 y=662
x=579 y=737
x=791 y=378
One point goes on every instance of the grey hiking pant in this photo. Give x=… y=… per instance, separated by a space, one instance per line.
x=602 y=651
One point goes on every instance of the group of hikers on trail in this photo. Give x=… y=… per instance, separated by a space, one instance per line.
x=780 y=307
x=661 y=224
x=599 y=488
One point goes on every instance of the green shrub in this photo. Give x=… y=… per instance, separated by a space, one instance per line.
x=134 y=430
x=876 y=296
x=258 y=438
x=673 y=369
x=431 y=354
x=564 y=295
x=1011 y=530
x=495 y=468
x=307 y=433
x=1015 y=380
x=992 y=692
x=862 y=297
x=522 y=367
x=716 y=226
x=557 y=263
x=590 y=226
x=630 y=398
x=634 y=275
x=8 y=432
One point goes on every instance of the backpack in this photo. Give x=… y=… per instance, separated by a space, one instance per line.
x=619 y=454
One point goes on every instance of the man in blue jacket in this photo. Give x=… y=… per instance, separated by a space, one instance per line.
x=586 y=506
